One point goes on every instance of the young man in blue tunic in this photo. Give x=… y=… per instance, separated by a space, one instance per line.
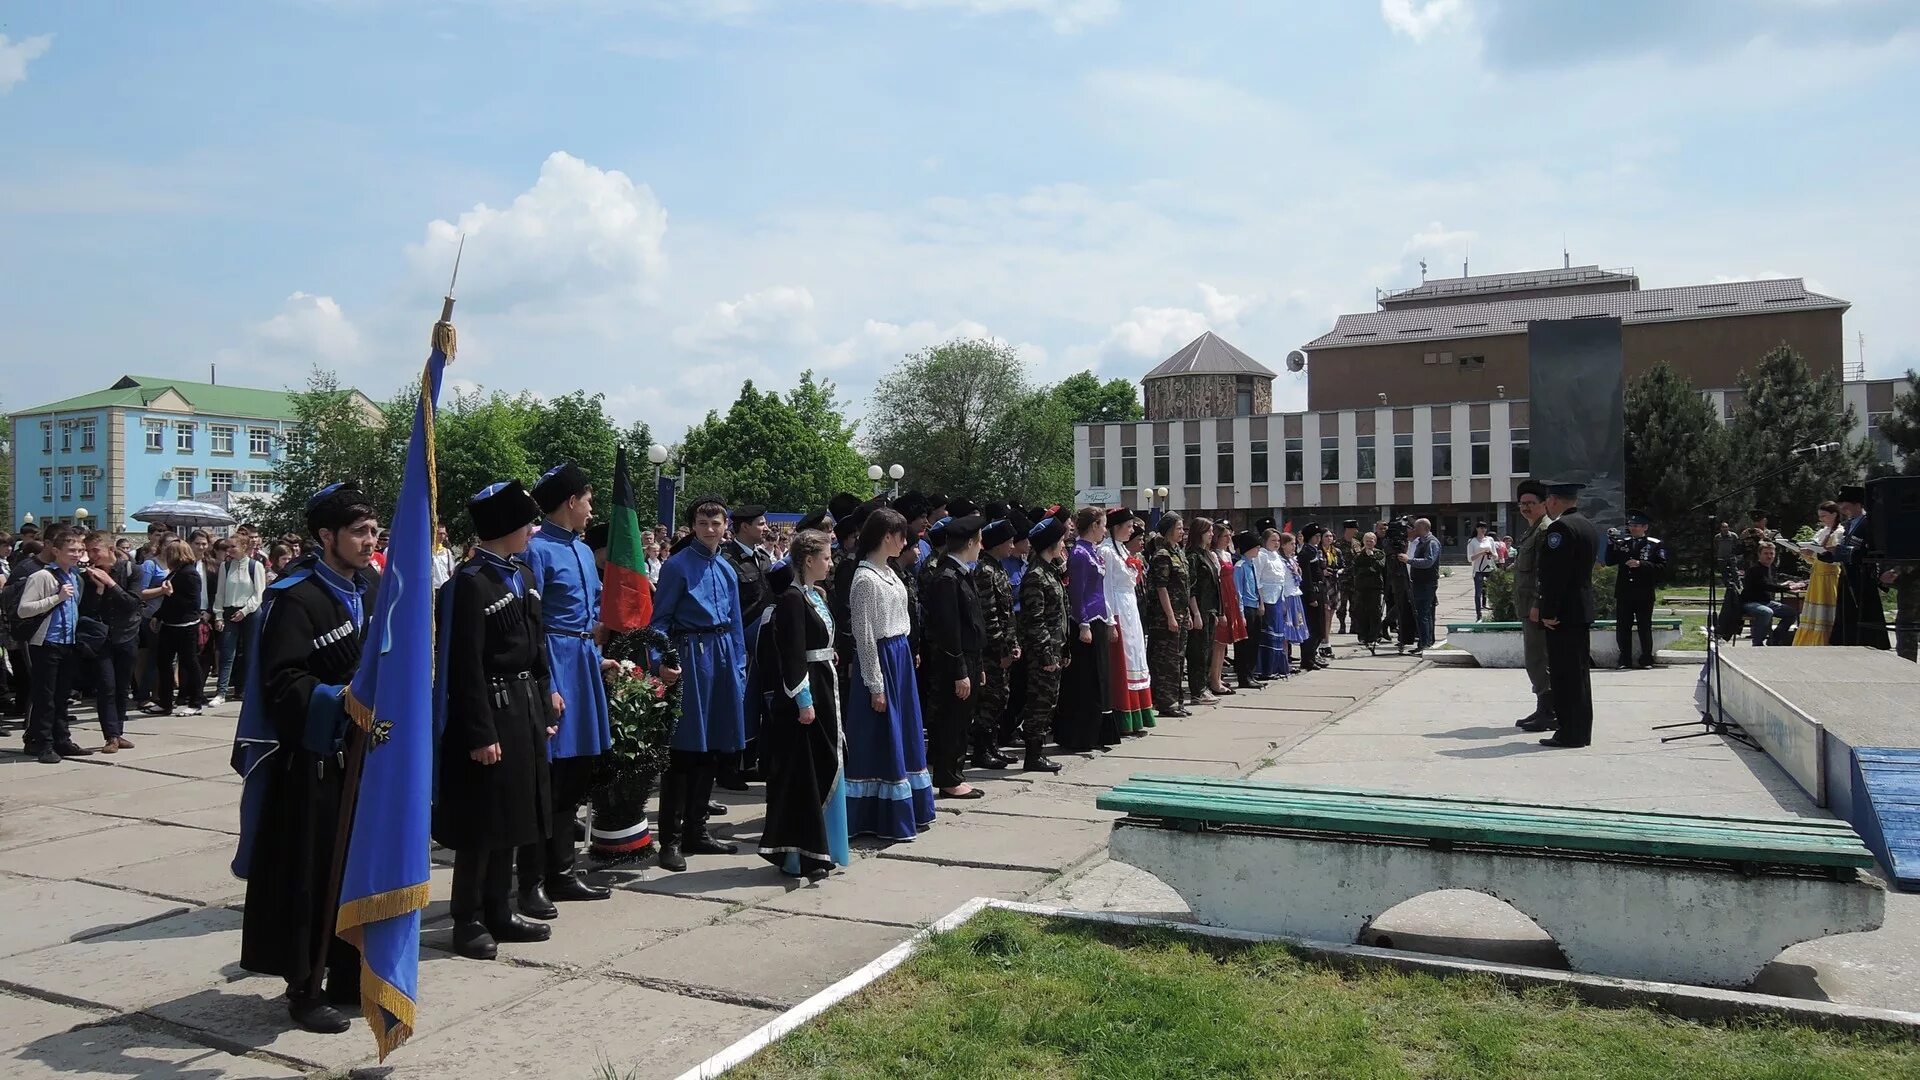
x=569 y=587
x=697 y=605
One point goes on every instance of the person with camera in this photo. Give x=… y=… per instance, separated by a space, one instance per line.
x=1642 y=560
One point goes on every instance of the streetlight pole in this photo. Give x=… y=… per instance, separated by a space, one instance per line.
x=874 y=473
x=896 y=471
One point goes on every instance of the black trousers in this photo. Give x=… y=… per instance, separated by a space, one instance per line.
x=113 y=686
x=1634 y=610
x=570 y=780
x=948 y=721
x=1246 y=651
x=482 y=884
x=180 y=646
x=1316 y=633
x=1200 y=655
x=54 y=667
x=1571 y=683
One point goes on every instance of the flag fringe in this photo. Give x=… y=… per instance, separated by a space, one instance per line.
x=389 y=1012
x=379 y=907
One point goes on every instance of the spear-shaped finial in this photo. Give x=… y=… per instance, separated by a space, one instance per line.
x=443 y=336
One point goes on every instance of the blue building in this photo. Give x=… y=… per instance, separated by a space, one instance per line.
x=142 y=440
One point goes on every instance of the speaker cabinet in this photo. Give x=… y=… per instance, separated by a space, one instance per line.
x=1893 y=518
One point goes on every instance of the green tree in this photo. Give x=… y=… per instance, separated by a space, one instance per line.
x=1042 y=473
x=479 y=439
x=1785 y=407
x=573 y=427
x=941 y=413
x=1087 y=400
x=1676 y=458
x=1901 y=426
x=761 y=452
x=6 y=479
x=838 y=464
x=336 y=438
x=636 y=439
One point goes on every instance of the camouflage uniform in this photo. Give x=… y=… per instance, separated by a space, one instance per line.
x=1043 y=642
x=995 y=590
x=1349 y=555
x=1166 y=570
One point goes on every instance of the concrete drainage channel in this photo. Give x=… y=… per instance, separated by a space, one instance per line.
x=1695 y=1003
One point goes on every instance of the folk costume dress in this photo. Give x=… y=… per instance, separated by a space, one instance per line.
x=889 y=791
x=806 y=824
x=1270 y=574
x=1086 y=714
x=1132 y=683
x=1232 y=625
x=1822 y=596
x=1292 y=610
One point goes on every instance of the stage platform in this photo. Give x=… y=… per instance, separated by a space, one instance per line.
x=1845 y=724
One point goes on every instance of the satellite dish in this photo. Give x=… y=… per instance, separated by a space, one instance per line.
x=1296 y=361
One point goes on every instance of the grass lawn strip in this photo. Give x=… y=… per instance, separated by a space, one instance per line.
x=1010 y=994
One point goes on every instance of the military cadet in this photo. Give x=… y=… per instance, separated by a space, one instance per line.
x=1001 y=644
x=494 y=793
x=569 y=588
x=1642 y=560
x=955 y=658
x=1043 y=636
x=314 y=623
x=1349 y=547
x=1532 y=498
x=1565 y=608
x=1166 y=616
x=1314 y=580
x=750 y=564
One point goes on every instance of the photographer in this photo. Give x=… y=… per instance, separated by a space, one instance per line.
x=1399 y=583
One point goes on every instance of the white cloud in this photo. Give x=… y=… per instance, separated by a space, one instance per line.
x=16 y=55
x=311 y=325
x=1419 y=18
x=580 y=233
x=1065 y=16
x=1153 y=333
x=780 y=314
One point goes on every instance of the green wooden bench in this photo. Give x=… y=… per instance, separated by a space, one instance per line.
x=1676 y=897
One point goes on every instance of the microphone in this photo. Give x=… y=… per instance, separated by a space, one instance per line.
x=1816 y=448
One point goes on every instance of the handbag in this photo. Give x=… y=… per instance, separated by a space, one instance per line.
x=89 y=636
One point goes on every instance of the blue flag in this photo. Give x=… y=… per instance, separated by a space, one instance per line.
x=384 y=887
x=663 y=505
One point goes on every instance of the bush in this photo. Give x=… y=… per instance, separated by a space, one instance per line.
x=1500 y=594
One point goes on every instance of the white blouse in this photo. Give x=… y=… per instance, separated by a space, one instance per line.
x=878 y=604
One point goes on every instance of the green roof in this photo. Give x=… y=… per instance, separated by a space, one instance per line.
x=138 y=391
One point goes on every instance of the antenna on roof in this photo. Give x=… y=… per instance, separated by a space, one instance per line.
x=1423 y=271
x=1566 y=257
x=213 y=371
x=1466 y=260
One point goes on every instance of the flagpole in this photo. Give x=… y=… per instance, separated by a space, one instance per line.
x=358 y=740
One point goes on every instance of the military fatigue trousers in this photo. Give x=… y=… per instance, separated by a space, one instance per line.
x=1043 y=692
x=1165 y=663
x=990 y=705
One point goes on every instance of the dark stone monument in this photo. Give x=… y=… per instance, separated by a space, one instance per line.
x=1576 y=406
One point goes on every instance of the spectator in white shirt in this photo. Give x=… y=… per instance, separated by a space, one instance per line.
x=1483 y=554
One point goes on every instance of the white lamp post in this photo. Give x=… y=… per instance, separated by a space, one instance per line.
x=1146 y=498
x=1161 y=493
x=896 y=471
x=874 y=473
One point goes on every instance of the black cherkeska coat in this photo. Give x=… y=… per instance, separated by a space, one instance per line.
x=498 y=691
x=307 y=641
x=801 y=760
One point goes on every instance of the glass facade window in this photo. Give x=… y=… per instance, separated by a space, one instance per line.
x=1882 y=446
x=183 y=481
x=1193 y=463
x=1129 y=467
x=1482 y=443
x=87 y=428
x=1329 y=457
x=1224 y=464
x=1162 y=465
x=1097 y=470
x=156 y=432
x=1295 y=467
x=66 y=483
x=1257 y=461
x=46 y=436
x=1442 y=454
x=220 y=438
x=220 y=480
x=183 y=437
x=89 y=484
x=1363 y=458
x=1403 y=457
x=1522 y=451
x=46 y=485
x=259 y=441
x=1243 y=402
x=66 y=437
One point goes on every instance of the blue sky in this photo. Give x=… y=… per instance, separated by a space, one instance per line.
x=663 y=198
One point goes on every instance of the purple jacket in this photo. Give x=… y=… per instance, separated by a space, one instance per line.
x=1086 y=584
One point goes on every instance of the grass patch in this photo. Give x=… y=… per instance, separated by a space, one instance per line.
x=1693 y=634
x=1010 y=995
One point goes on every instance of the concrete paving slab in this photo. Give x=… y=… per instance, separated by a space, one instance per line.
x=139 y=966
x=218 y=819
x=202 y=876
x=24 y=825
x=1110 y=770
x=25 y=1020
x=252 y=1012
x=761 y=955
x=71 y=781
x=46 y=913
x=580 y=1023
x=1048 y=844
x=158 y=744
x=743 y=878
x=1116 y=886
x=589 y=935
x=902 y=892
x=98 y=853
x=211 y=763
x=164 y=803
x=134 y=1049
x=1044 y=803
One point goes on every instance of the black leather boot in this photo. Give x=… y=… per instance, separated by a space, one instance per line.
x=471 y=939
x=571 y=887
x=1037 y=761
x=673 y=793
x=315 y=1015
x=695 y=840
x=507 y=926
x=530 y=861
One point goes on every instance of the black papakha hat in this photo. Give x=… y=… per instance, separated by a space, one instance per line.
x=558 y=484
x=499 y=509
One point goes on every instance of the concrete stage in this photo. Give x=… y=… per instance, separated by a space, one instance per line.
x=1843 y=723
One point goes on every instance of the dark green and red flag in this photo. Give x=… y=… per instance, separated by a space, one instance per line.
x=626 y=598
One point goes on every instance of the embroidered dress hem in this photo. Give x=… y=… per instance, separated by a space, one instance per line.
x=1132 y=693
x=889 y=791
x=1293 y=619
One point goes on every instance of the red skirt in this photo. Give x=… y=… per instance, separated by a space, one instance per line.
x=1231 y=626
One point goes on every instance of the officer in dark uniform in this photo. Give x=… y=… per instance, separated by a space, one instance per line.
x=751 y=564
x=1565 y=608
x=1350 y=546
x=495 y=793
x=1642 y=560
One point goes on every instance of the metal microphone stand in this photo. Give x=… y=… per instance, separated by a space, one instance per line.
x=1713 y=721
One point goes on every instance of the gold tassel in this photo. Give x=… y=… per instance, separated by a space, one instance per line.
x=358 y=713
x=380 y=907
x=444 y=339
